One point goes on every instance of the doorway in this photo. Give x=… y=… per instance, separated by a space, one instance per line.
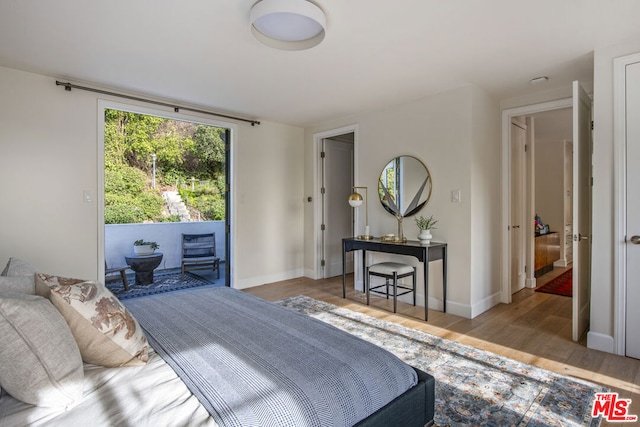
x=337 y=180
x=520 y=133
x=580 y=105
x=336 y=165
x=171 y=170
x=549 y=138
x=552 y=199
x=519 y=198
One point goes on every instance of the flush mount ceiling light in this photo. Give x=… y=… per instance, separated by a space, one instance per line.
x=538 y=80
x=288 y=24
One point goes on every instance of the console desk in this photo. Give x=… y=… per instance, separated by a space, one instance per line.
x=547 y=251
x=424 y=253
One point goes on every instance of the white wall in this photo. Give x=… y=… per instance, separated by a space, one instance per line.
x=456 y=135
x=549 y=165
x=49 y=156
x=485 y=197
x=269 y=204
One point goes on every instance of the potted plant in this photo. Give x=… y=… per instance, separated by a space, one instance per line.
x=425 y=225
x=140 y=247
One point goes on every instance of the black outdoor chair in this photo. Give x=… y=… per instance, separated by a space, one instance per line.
x=109 y=275
x=199 y=253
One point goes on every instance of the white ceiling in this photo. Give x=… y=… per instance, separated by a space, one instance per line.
x=375 y=54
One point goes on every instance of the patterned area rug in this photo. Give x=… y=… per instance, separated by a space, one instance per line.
x=561 y=285
x=162 y=283
x=473 y=387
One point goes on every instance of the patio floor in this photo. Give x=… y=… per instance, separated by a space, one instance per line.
x=168 y=280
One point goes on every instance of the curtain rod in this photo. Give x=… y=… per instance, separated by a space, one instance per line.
x=68 y=86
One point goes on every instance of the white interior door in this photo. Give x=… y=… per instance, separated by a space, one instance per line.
x=632 y=119
x=582 y=152
x=518 y=198
x=338 y=178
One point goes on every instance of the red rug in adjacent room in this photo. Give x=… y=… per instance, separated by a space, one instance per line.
x=561 y=285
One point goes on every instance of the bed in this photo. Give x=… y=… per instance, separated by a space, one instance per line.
x=218 y=356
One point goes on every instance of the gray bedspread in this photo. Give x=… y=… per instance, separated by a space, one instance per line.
x=254 y=363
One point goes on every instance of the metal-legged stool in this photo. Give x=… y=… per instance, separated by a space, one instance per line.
x=391 y=271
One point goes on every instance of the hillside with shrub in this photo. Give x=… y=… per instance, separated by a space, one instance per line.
x=190 y=159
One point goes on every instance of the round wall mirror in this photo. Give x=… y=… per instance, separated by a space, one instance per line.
x=404 y=186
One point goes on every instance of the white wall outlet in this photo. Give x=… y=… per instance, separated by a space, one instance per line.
x=455 y=196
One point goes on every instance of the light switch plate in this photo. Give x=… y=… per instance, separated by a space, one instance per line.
x=455 y=196
x=87 y=196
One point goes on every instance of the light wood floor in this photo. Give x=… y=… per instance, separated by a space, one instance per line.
x=535 y=328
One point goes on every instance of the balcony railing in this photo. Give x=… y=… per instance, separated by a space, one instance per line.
x=119 y=240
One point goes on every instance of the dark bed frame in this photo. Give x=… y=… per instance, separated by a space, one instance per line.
x=413 y=408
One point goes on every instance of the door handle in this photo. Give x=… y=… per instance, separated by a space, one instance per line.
x=635 y=240
x=578 y=237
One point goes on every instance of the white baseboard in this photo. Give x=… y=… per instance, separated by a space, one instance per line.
x=600 y=342
x=485 y=304
x=462 y=310
x=560 y=263
x=311 y=274
x=262 y=280
x=435 y=303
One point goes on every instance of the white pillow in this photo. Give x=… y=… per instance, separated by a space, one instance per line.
x=21 y=284
x=106 y=332
x=18 y=276
x=40 y=362
x=18 y=267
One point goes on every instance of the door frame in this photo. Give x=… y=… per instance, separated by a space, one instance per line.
x=620 y=198
x=507 y=116
x=142 y=108
x=317 y=181
x=525 y=125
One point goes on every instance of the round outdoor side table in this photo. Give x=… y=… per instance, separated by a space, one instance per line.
x=144 y=265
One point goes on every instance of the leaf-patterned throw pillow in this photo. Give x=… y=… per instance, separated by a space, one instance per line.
x=105 y=331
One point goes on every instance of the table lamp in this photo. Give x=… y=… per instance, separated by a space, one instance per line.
x=355 y=200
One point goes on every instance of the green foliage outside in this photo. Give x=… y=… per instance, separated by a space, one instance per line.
x=124 y=180
x=190 y=158
x=204 y=200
